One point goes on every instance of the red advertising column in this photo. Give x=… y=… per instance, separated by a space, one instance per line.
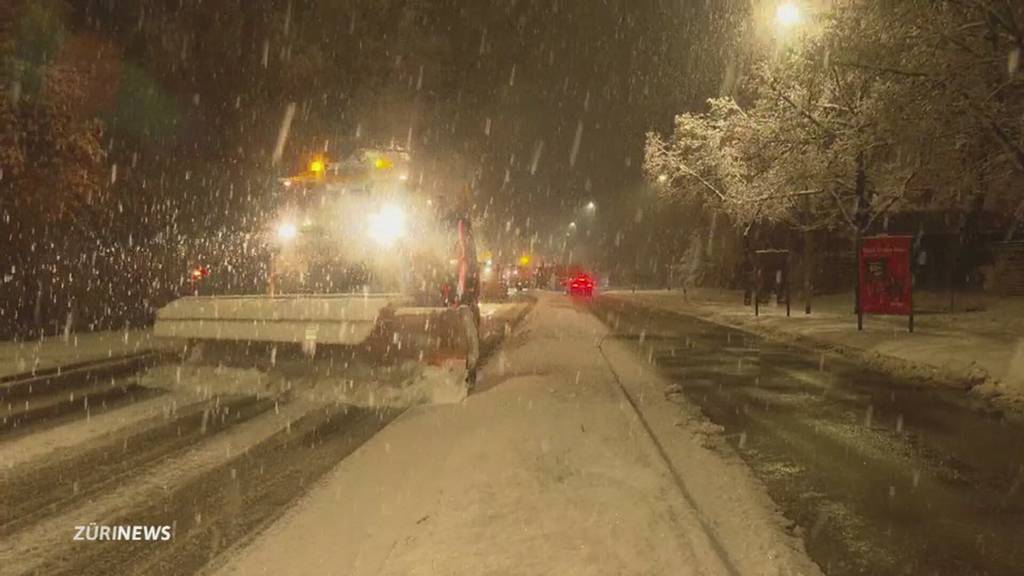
x=886 y=282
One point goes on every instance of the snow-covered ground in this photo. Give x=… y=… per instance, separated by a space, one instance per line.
x=25 y=552
x=546 y=469
x=19 y=357
x=980 y=345
x=48 y=444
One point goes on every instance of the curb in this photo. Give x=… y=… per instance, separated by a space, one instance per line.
x=894 y=365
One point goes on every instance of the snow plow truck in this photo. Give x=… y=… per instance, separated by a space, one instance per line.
x=362 y=267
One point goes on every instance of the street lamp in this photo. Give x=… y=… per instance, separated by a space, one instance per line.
x=572 y=225
x=286 y=231
x=591 y=206
x=788 y=14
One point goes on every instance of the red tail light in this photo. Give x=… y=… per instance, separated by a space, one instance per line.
x=581 y=283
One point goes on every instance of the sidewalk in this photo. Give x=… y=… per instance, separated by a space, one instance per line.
x=24 y=357
x=545 y=469
x=980 y=346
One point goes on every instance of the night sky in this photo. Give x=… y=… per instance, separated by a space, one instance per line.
x=542 y=104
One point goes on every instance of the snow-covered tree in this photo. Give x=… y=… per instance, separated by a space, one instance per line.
x=951 y=92
x=883 y=107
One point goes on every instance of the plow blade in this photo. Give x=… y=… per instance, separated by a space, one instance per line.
x=433 y=335
x=345 y=320
x=376 y=327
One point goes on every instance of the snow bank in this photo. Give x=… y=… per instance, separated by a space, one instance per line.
x=358 y=385
x=19 y=357
x=729 y=501
x=980 y=347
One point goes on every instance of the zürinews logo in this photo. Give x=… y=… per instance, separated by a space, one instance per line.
x=94 y=532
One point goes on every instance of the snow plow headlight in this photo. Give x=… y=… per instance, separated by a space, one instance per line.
x=387 y=226
x=286 y=231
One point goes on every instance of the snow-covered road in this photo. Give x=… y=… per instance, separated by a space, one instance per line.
x=567 y=459
x=21 y=357
x=879 y=475
x=207 y=450
x=546 y=469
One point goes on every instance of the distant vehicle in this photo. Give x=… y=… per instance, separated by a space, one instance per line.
x=580 y=284
x=516 y=279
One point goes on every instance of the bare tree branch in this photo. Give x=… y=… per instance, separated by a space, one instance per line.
x=800 y=109
x=885 y=69
x=997 y=17
x=778 y=196
x=1012 y=147
x=884 y=209
x=842 y=209
x=686 y=170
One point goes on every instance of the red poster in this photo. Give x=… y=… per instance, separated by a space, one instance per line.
x=885 y=280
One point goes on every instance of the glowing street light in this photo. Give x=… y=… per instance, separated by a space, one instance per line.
x=591 y=206
x=662 y=178
x=788 y=14
x=286 y=231
x=572 y=225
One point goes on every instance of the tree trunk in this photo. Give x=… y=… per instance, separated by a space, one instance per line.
x=711 y=234
x=951 y=274
x=808 y=269
x=1015 y=221
x=860 y=220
